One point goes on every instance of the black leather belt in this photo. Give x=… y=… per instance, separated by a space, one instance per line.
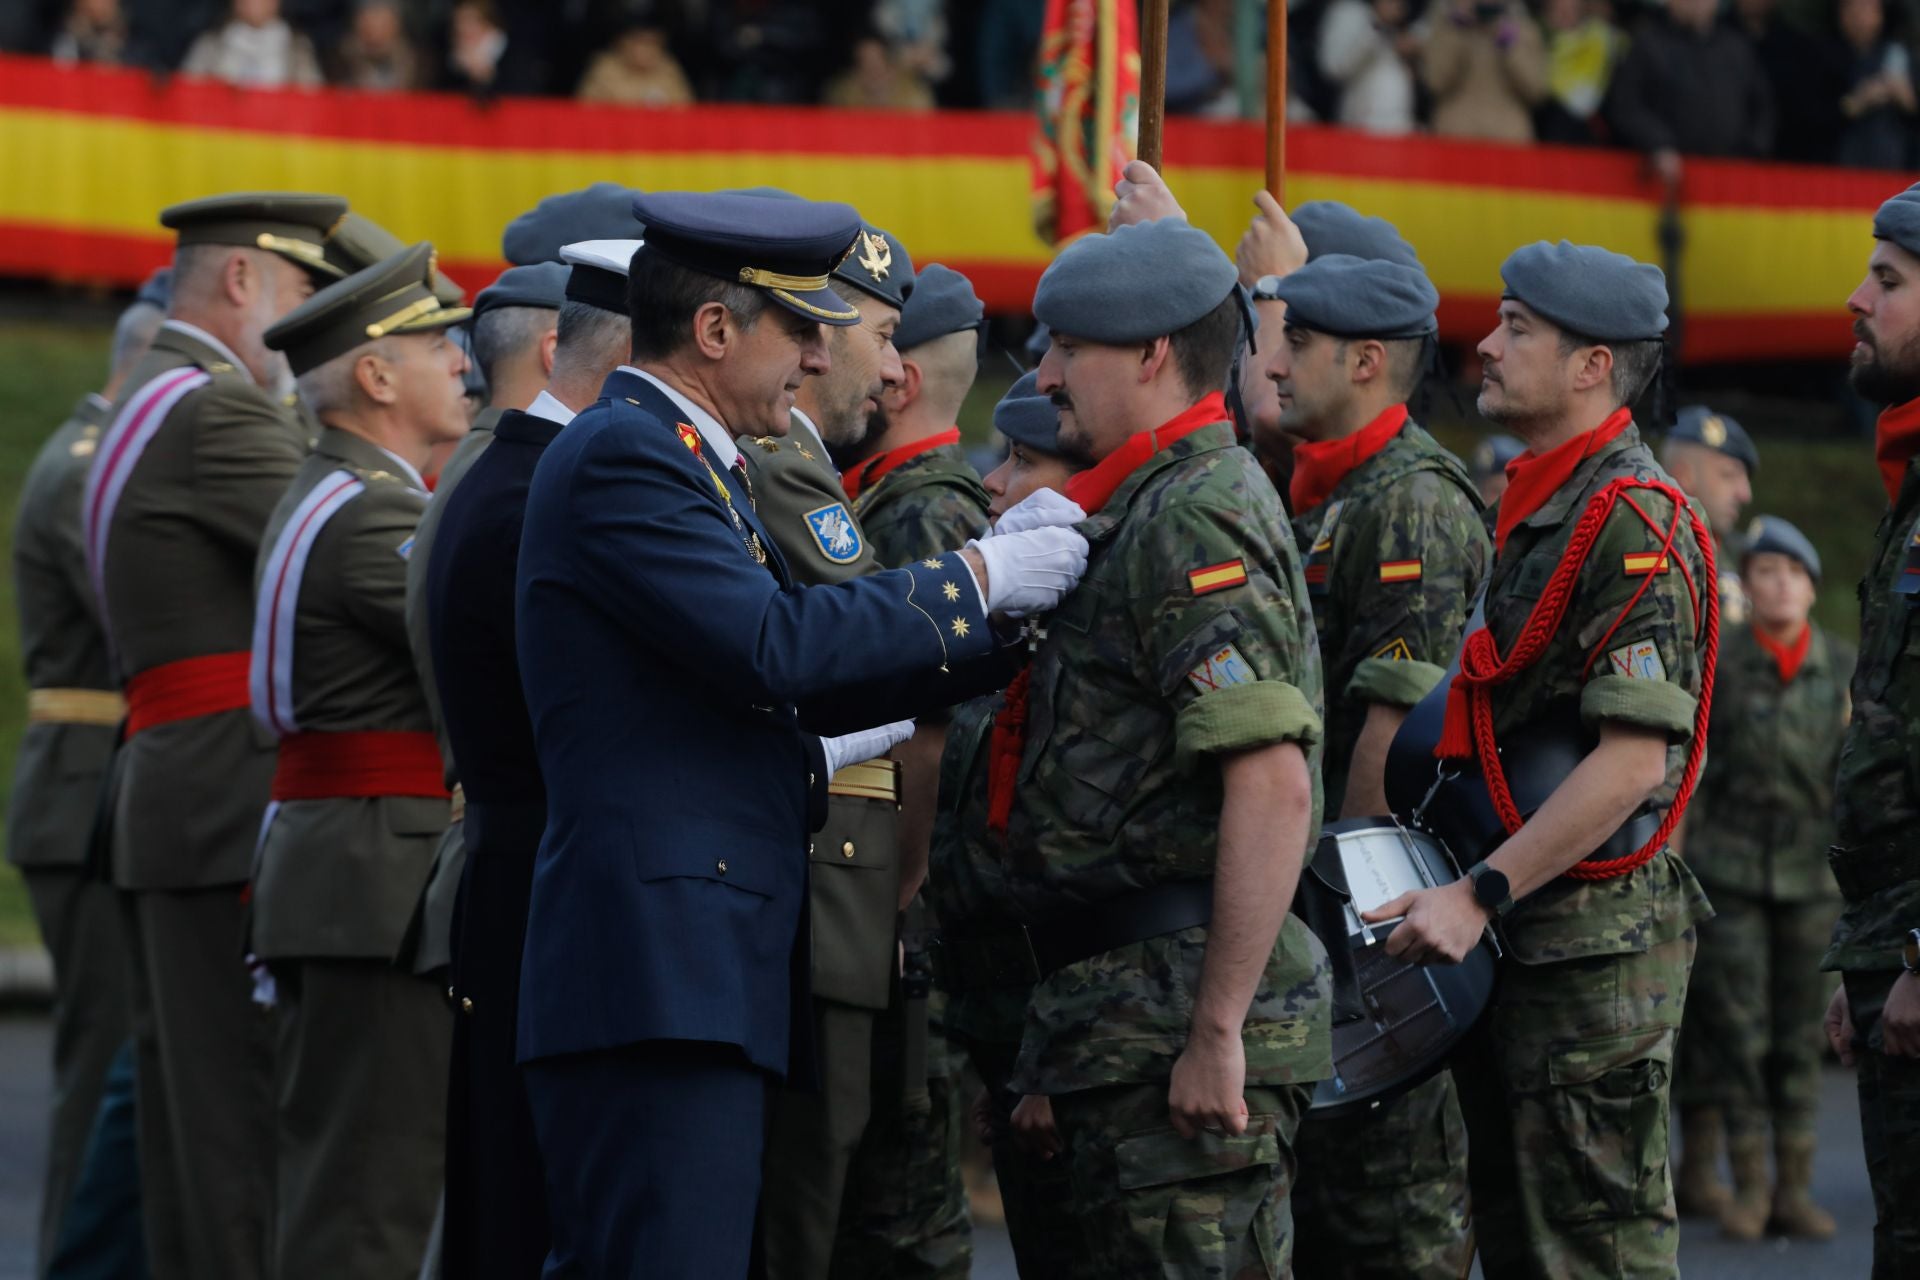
x=1863 y=870
x=1023 y=957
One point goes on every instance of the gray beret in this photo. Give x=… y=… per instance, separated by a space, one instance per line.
x=603 y=211
x=1700 y=425
x=157 y=289
x=543 y=284
x=1136 y=283
x=1331 y=227
x=1027 y=417
x=1898 y=220
x=1360 y=298
x=1589 y=291
x=1771 y=533
x=1494 y=453
x=943 y=302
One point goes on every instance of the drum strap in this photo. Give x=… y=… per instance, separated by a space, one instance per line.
x=1469 y=721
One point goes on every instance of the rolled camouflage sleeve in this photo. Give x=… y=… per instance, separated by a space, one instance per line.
x=1227 y=635
x=1642 y=645
x=1427 y=556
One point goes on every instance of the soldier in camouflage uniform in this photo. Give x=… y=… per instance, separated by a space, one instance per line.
x=1712 y=458
x=1395 y=553
x=1564 y=1083
x=905 y=1212
x=1874 y=1019
x=986 y=987
x=1163 y=759
x=1758 y=835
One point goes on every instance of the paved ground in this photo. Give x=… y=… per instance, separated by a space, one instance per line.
x=1841 y=1184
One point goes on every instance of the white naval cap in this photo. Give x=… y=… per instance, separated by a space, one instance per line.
x=599 y=275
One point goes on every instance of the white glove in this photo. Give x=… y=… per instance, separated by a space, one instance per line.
x=868 y=744
x=1041 y=509
x=1029 y=572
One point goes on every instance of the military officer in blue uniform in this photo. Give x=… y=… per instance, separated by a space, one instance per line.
x=675 y=675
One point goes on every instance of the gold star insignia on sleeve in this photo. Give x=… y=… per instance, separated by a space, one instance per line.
x=804 y=452
x=953 y=592
x=933 y=562
x=960 y=628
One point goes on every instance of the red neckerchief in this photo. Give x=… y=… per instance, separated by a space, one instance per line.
x=1532 y=480
x=1320 y=465
x=1787 y=657
x=868 y=473
x=1896 y=438
x=1092 y=487
x=432 y=482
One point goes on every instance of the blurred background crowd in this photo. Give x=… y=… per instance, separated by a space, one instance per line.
x=1815 y=81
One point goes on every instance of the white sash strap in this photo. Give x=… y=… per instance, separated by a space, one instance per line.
x=119 y=453
x=270 y=671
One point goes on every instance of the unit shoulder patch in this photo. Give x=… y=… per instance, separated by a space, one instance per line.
x=835 y=533
x=1223 y=667
x=1638 y=660
x=1217 y=577
x=1396 y=650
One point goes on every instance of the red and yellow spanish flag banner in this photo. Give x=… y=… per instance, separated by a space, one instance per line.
x=88 y=158
x=1089 y=114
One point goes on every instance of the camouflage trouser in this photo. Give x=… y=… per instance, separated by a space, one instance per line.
x=1890 y=1130
x=1750 y=1045
x=1151 y=1203
x=904 y=1212
x=1036 y=1194
x=1564 y=1086
x=1385 y=1194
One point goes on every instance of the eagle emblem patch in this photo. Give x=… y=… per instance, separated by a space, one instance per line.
x=835 y=533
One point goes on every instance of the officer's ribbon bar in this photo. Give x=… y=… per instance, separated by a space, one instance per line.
x=1638 y=564
x=1217 y=577
x=1400 y=571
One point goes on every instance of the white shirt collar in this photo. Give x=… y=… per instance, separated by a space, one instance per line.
x=198 y=334
x=715 y=435
x=407 y=469
x=547 y=405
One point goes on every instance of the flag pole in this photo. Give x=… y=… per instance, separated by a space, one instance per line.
x=1277 y=100
x=1153 y=80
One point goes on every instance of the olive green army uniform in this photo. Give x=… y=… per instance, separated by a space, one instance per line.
x=1565 y=1084
x=428 y=946
x=1394 y=560
x=905 y=1211
x=362 y=1046
x=1877 y=865
x=1189 y=636
x=986 y=989
x=1757 y=837
x=189 y=795
x=73 y=718
x=852 y=896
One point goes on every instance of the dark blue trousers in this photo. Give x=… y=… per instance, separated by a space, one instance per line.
x=653 y=1160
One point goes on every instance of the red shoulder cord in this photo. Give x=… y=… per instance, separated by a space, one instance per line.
x=1469 y=721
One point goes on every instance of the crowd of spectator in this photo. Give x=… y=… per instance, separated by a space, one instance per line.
x=1822 y=81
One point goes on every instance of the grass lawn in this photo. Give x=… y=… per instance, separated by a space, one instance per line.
x=1832 y=491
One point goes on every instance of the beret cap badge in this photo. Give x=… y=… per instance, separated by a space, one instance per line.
x=876 y=254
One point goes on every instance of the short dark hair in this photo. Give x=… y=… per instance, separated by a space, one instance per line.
x=1635 y=364
x=590 y=337
x=1203 y=351
x=662 y=297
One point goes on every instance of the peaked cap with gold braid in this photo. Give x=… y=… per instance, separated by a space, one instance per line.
x=391 y=297
x=293 y=224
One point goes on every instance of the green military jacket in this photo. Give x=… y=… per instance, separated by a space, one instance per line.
x=1394 y=560
x=179 y=584
x=1189 y=636
x=57 y=774
x=338 y=878
x=854 y=894
x=1643 y=671
x=1877 y=793
x=930 y=503
x=1762 y=817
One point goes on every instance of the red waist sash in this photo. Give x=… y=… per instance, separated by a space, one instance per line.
x=334 y=766
x=187 y=688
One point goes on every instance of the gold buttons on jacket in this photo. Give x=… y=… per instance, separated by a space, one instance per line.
x=721 y=866
x=846 y=850
x=466 y=1004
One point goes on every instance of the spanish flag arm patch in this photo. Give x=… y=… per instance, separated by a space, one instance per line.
x=1217 y=577
x=1399 y=571
x=1638 y=564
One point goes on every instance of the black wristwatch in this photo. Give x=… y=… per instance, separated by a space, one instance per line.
x=1911 y=951
x=1491 y=890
